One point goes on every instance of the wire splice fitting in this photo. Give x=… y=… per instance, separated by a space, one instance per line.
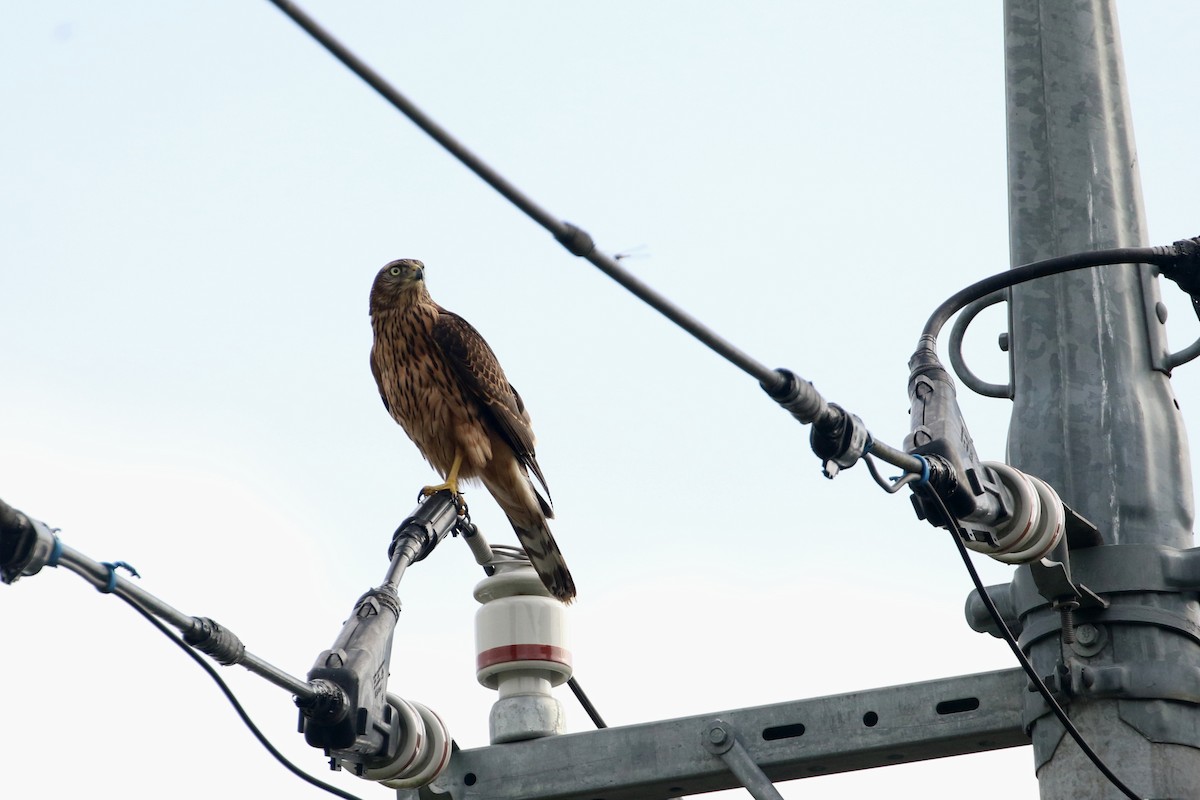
x=575 y=239
x=221 y=643
x=428 y=525
x=1184 y=269
x=797 y=396
x=1187 y=251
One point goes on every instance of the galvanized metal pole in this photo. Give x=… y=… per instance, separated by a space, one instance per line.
x=1094 y=415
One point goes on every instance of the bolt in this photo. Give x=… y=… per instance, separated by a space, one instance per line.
x=717 y=734
x=1087 y=634
x=1003 y=342
x=1066 y=609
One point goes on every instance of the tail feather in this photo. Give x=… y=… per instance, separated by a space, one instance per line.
x=547 y=560
x=527 y=512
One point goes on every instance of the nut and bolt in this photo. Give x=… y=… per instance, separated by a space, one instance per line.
x=1087 y=634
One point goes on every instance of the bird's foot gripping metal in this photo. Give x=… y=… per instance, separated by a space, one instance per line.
x=430 y=491
x=450 y=484
x=450 y=488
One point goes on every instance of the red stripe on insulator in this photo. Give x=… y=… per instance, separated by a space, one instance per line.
x=523 y=652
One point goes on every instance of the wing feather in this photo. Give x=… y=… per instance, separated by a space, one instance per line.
x=479 y=372
x=379 y=382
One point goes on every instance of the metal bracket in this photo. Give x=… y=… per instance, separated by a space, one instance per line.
x=1040 y=628
x=1054 y=582
x=721 y=739
x=1152 y=680
x=1110 y=570
x=964 y=373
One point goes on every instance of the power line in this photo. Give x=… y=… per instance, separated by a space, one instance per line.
x=575 y=239
x=796 y=395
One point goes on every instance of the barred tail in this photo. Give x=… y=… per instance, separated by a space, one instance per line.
x=527 y=512
x=547 y=559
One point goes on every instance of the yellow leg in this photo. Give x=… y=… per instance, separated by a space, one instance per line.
x=451 y=479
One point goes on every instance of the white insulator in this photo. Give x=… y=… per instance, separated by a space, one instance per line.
x=424 y=750
x=1036 y=522
x=1049 y=530
x=521 y=651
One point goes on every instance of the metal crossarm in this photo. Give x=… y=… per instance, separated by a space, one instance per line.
x=796 y=739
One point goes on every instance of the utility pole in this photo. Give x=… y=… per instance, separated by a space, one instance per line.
x=1094 y=415
x=1109 y=616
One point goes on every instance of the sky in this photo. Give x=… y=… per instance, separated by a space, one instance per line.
x=196 y=198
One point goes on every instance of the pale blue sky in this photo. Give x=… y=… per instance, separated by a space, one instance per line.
x=196 y=198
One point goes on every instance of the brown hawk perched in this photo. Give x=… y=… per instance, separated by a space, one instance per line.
x=439 y=379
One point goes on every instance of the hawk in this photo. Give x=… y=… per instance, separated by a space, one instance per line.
x=439 y=379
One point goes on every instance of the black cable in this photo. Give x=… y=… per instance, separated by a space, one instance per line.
x=237 y=706
x=1159 y=256
x=957 y=532
x=586 y=703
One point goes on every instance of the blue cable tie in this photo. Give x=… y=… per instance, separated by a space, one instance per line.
x=870 y=443
x=924 y=479
x=55 y=552
x=111 y=586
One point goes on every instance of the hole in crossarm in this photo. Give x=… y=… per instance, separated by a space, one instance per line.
x=469 y=779
x=870 y=719
x=783 y=732
x=957 y=706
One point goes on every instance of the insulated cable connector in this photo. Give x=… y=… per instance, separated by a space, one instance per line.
x=1184 y=269
x=798 y=397
x=842 y=444
x=838 y=437
x=427 y=526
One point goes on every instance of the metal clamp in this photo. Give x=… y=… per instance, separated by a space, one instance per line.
x=1120 y=615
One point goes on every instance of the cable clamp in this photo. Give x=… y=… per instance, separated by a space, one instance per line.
x=111 y=586
x=924 y=479
x=55 y=551
x=842 y=444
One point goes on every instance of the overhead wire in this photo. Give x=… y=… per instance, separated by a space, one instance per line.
x=576 y=240
x=782 y=385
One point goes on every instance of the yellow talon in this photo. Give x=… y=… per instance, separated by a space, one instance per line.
x=451 y=480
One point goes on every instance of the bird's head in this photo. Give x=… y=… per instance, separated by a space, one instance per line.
x=399 y=282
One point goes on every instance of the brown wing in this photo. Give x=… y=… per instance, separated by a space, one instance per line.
x=481 y=376
x=379 y=382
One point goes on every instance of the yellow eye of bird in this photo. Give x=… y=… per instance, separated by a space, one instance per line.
x=394 y=270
